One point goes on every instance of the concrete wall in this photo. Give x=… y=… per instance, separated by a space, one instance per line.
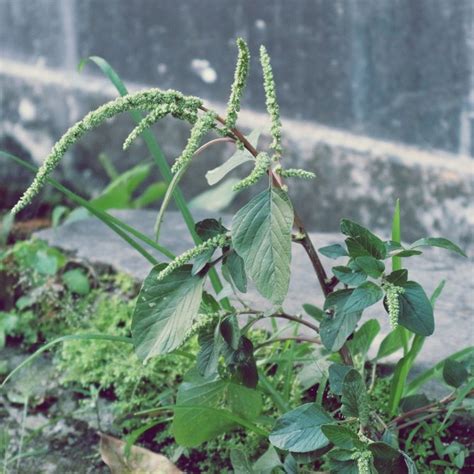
x=375 y=94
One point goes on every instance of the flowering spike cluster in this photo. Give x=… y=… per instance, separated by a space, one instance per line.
x=364 y=461
x=271 y=102
x=294 y=173
x=262 y=163
x=238 y=86
x=392 y=291
x=203 y=124
x=185 y=107
x=212 y=243
x=201 y=323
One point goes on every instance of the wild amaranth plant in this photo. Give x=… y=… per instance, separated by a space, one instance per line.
x=230 y=381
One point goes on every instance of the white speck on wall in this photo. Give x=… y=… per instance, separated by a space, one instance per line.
x=203 y=69
x=162 y=68
x=26 y=110
x=260 y=24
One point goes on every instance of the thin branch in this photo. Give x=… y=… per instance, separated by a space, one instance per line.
x=327 y=285
x=289 y=338
x=214 y=142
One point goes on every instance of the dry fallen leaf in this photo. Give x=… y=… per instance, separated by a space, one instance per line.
x=140 y=461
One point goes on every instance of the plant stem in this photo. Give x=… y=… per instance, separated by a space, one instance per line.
x=326 y=284
x=289 y=338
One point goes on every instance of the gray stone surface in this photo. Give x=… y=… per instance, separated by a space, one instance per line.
x=393 y=69
x=91 y=240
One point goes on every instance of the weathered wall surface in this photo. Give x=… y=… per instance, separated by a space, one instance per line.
x=375 y=94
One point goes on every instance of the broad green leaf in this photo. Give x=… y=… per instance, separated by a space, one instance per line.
x=348 y=275
x=336 y=328
x=371 y=266
x=438 y=242
x=398 y=277
x=454 y=373
x=384 y=457
x=241 y=363
x=333 y=251
x=299 y=430
x=313 y=311
x=211 y=344
x=238 y=158
x=363 y=338
x=215 y=199
x=261 y=235
x=165 y=310
x=118 y=194
x=236 y=270
x=45 y=263
x=365 y=295
x=230 y=331
x=362 y=241
x=267 y=462
x=337 y=372
x=193 y=425
x=416 y=312
x=354 y=397
x=413 y=401
x=342 y=462
x=406 y=253
x=240 y=462
x=342 y=437
x=77 y=282
x=206 y=229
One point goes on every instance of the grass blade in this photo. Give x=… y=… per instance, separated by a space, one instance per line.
x=102 y=337
x=161 y=162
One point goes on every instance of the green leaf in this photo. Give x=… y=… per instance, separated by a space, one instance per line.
x=348 y=275
x=371 y=266
x=118 y=194
x=337 y=372
x=416 y=312
x=342 y=437
x=211 y=345
x=405 y=253
x=384 y=457
x=299 y=430
x=236 y=270
x=398 y=277
x=194 y=422
x=361 y=241
x=454 y=373
x=238 y=158
x=230 y=331
x=45 y=263
x=241 y=363
x=333 y=251
x=413 y=401
x=354 y=396
x=215 y=199
x=363 y=338
x=206 y=229
x=267 y=462
x=313 y=311
x=365 y=295
x=165 y=310
x=240 y=462
x=336 y=328
x=261 y=235
x=77 y=282
x=392 y=342
x=152 y=193
x=438 y=242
